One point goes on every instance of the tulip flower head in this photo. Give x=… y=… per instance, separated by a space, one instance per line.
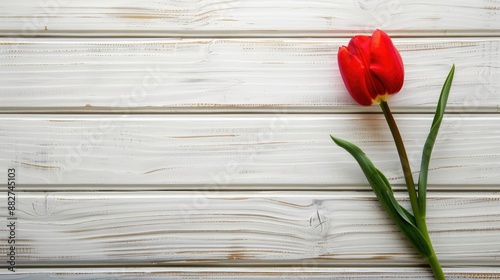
x=371 y=67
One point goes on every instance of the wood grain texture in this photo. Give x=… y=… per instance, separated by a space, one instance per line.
x=252 y=273
x=238 y=151
x=152 y=88
x=267 y=228
x=246 y=18
x=213 y=75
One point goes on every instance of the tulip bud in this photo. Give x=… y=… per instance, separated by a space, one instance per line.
x=371 y=67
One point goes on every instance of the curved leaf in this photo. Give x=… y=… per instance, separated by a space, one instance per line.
x=405 y=214
x=431 y=139
x=380 y=185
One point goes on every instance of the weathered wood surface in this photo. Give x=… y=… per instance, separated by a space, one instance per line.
x=279 y=151
x=231 y=75
x=260 y=228
x=246 y=18
x=300 y=272
x=175 y=177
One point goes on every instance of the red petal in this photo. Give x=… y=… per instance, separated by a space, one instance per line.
x=360 y=46
x=354 y=75
x=386 y=63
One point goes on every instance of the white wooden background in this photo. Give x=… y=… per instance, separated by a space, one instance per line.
x=190 y=139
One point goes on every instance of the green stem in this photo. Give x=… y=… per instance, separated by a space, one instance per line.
x=436 y=268
x=403 y=157
x=433 y=260
x=410 y=184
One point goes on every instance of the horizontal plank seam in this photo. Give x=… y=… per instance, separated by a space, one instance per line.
x=228 y=111
x=241 y=35
x=262 y=188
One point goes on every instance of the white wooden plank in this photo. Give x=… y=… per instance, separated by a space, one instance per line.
x=254 y=228
x=213 y=75
x=239 y=151
x=301 y=272
x=246 y=18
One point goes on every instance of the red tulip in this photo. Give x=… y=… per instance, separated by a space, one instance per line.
x=371 y=68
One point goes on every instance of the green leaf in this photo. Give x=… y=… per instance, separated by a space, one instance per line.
x=401 y=210
x=431 y=139
x=380 y=185
x=385 y=180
